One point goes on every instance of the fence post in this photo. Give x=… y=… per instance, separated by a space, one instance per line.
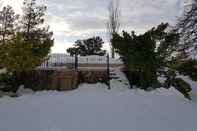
x=76 y=62
x=47 y=63
x=108 y=73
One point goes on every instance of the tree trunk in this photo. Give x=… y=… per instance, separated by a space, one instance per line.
x=112 y=52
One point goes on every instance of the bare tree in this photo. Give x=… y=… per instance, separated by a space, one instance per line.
x=113 y=23
x=1 y=3
x=187 y=27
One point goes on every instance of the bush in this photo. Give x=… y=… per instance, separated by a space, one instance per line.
x=138 y=54
x=9 y=82
x=34 y=80
x=189 y=68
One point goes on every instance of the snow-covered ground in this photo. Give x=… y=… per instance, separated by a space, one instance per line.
x=193 y=85
x=94 y=108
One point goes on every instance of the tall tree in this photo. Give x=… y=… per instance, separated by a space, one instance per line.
x=33 y=29
x=29 y=46
x=33 y=16
x=187 y=27
x=33 y=33
x=7 y=21
x=113 y=23
x=91 y=46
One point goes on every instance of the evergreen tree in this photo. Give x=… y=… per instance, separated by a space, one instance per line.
x=91 y=46
x=29 y=46
x=7 y=21
x=139 y=57
x=18 y=60
x=72 y=51
x=167 y=43
x=33 y=29
x=149 y=56
x=17 y=55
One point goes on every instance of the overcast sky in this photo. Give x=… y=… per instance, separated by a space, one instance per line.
x=71 y=20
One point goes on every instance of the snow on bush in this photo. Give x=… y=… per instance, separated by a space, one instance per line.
x=22 y=91
x=2 y=71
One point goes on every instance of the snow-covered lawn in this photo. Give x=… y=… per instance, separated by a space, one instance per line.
x=94 y=108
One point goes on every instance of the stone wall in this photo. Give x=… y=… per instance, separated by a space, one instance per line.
x=62 y=80
x=92 y=76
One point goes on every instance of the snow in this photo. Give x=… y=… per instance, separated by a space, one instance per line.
x=22 y=91
x=121 y=83
x=94 y=108
x=89 y=109
x=97 y=60
x=193 y=85
x=2 y=71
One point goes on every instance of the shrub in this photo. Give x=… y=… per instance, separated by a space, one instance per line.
x=8 y=82
x=149 y=56
x=139 y=57
x=189 y=67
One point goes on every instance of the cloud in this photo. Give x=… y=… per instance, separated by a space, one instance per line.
x=71 y=20
x=60 y=47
